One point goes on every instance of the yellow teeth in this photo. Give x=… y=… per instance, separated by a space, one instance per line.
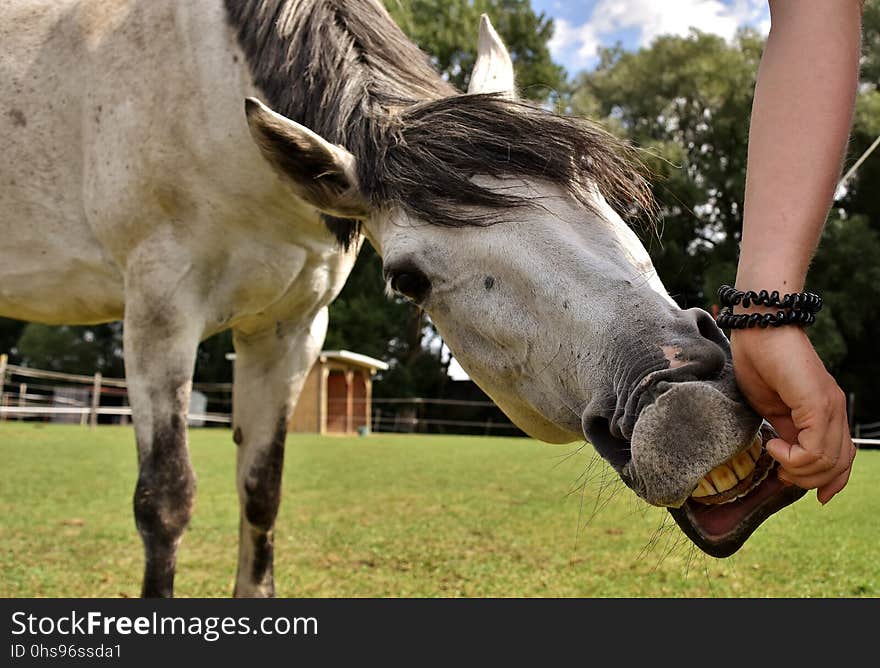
x=723 y=478
x=742 y=465
x=704 y=488
x=738 y=472
x=756 y=447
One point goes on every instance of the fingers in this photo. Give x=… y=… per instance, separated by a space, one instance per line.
x=808 y=457
x=827 y=492
x=812 y=466
x=786 y=382
x=785 y=427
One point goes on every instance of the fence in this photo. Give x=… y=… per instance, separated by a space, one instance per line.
x=867 y=433
x=27 y=393
x=431 y=416
x=36 y=394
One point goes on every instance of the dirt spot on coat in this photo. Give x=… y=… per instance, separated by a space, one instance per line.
x=18 y=117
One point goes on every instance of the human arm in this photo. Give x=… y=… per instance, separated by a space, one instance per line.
x=801 y=118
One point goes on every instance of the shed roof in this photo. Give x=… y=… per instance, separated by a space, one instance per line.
x=354 y=358
x=344 y=356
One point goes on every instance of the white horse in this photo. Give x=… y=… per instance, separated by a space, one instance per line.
x=132 y=188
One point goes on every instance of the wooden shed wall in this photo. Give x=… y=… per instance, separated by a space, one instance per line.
x=307 y=413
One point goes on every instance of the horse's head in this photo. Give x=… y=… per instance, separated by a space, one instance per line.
x=498 y=219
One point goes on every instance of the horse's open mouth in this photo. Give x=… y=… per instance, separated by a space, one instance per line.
x=733 y=499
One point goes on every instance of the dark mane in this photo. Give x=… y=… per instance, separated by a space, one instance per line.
x=345 y=70
x=430 y=152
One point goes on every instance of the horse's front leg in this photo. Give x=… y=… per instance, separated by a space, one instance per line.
x=161 y=335
x=270 y=370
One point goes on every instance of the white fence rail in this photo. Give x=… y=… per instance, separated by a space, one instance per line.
x=22 y=403
x=34 y=393
x=16 y=411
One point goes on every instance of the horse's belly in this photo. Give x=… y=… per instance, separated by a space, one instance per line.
x=41 y=286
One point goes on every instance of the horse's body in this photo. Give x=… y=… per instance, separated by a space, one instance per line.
x=132 y=189
x=157 y=154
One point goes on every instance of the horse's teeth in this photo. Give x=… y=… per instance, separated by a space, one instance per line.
x=723 y=478
x=728 y=475
x=704 y=488
x=742 y=465
x=756 y=448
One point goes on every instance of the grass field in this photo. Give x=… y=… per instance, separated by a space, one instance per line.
x=410 y=516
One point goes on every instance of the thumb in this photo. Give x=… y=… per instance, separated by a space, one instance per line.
x=781 y=451
x=785 y=428
x=781 y=448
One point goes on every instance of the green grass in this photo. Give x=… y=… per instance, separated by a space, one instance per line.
x=410 y=516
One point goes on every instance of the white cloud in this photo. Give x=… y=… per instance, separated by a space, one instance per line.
x=576 y=45
x=582 y=40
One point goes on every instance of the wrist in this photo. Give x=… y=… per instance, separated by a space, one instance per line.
x=750 y=308
x=771 y=269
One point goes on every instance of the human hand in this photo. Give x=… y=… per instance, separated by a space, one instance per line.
x=784 y=380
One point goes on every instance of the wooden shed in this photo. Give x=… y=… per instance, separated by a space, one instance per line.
x=337 y=395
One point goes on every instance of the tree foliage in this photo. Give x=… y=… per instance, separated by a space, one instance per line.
x=447 y=30
x=72 y=349
x=686 y=101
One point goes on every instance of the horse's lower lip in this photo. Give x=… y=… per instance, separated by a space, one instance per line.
x=720 y=530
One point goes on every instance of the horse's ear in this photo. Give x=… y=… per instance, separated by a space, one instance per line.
x=493 y=71
x=323 y=174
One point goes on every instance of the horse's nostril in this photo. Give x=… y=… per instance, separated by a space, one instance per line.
x=708 y=328
x=706 y=349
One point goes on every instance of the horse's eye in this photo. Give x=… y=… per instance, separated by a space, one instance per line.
x=412 y=284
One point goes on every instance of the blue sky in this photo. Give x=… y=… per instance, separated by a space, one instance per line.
x=583 y=25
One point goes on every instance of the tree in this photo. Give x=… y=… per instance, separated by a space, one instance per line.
x=10 y=331
x=447 y=30
x=73 y=349
x=686 y=102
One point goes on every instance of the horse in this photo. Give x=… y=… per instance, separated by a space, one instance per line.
x=189 y=168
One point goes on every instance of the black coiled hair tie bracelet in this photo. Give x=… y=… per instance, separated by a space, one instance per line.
x=797 y=308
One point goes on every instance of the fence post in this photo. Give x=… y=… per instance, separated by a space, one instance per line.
x=96 y=400
x=349 y=401
x=22 y=399
x=3 y=360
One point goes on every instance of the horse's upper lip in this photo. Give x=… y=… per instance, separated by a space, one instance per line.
x=718 y=530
